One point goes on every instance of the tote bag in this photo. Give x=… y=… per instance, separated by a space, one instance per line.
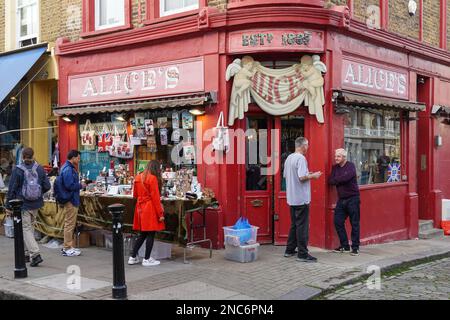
x=221 y=140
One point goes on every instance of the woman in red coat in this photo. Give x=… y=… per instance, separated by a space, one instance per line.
x=149 y=213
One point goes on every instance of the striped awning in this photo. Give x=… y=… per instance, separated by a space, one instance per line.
x=134 y=105
x=366 y=100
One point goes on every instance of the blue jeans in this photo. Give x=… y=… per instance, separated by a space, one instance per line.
x=347 y=208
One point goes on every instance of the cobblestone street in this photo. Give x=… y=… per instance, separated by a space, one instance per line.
x=429 y=281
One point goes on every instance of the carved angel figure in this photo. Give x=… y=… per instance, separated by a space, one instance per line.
x=242 y=71
x=311 y=68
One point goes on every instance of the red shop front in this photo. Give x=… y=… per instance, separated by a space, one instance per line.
x=276 y=72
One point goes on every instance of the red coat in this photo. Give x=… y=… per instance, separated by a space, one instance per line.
x=148 y=205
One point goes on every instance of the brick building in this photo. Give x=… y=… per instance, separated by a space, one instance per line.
x=362 y=43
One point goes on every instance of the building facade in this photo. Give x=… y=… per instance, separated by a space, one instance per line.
x=379 y=83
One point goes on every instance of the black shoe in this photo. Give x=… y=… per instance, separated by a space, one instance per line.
x=36 y=260
x=342 y=250
x=288 y=254
x=307 y=258
x=27 y=259
x=355 y=252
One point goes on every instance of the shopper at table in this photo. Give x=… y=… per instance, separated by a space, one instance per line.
x=149 y=212
x=67 y=194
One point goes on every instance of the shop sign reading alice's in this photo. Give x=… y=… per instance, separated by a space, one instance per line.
x=138 y=82
x=372 y=78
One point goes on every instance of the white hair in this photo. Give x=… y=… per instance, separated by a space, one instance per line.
x=341 y=152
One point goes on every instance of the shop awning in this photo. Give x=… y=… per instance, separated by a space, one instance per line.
x=374 y=101
x=14 y=65
x=132 y=105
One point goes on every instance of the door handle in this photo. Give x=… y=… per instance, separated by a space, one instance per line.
x=256 y=203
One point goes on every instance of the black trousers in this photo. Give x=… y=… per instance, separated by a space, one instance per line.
x=348 y=208
x=144 y=235
x=299 y=232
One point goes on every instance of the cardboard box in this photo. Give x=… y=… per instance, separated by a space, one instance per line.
x=2 y=230
x=84 y=241
x=100 y=239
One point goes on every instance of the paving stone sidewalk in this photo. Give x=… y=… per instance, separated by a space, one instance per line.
x=272 y=276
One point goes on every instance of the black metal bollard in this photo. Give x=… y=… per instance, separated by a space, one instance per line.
x=119 y=290
x=20 y=270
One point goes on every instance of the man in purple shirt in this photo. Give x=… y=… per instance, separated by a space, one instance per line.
x=343 y=176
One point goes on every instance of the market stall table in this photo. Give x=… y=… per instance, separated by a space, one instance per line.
x=93 y=212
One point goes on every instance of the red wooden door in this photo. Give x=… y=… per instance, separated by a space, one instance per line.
x=257 y=182
x=289 y=127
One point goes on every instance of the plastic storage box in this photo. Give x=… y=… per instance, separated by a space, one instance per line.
x=247 y=253
x=245 y=236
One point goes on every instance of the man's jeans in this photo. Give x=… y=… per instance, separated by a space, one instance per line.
x=347 y=208
x=28 y=220
x=299 y=232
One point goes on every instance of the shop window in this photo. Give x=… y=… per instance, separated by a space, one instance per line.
x=109 y=13
x=27 y=22
x=372 y=139
x=105 y=16
x=165 y=136
x=168 y=7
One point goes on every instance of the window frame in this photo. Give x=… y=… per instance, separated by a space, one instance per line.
x=153 y=12
x=19 y=38
x=89 y=22
x=403 y=153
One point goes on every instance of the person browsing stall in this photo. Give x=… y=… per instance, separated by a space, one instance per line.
x=149 y=212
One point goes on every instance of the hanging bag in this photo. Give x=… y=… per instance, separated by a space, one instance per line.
x=221 y=140
x=105 y=139
x=88 y=135
x=122 y=148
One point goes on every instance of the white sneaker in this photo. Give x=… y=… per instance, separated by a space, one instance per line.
x=150 y=262
x=132 y=260
x=71 y=252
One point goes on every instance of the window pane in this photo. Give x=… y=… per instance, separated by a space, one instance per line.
x=372 y=139
x=256 y=156
x=24 y=21
x=292 y=127
x=111 y=12
x=173 y=4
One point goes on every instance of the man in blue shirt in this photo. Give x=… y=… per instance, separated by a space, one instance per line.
x=71 y=186
x=298 y=193
x=30 y=190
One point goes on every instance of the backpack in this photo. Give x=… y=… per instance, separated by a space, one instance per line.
x=60 y=193
x=31 y=188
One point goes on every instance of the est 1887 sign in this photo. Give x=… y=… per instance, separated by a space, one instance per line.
x=253 y=40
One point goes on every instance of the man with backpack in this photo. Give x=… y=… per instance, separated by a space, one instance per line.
x=67 y=193
x=28 y=183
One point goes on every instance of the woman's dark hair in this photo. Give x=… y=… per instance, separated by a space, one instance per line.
x=154 y=168
x=73 y=154
x=27 y=155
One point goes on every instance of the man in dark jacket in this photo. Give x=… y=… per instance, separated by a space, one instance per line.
x=17 y=185
x=343 y=176
x=71 y=188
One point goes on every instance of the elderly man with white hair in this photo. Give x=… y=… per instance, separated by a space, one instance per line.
x=343 y=176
